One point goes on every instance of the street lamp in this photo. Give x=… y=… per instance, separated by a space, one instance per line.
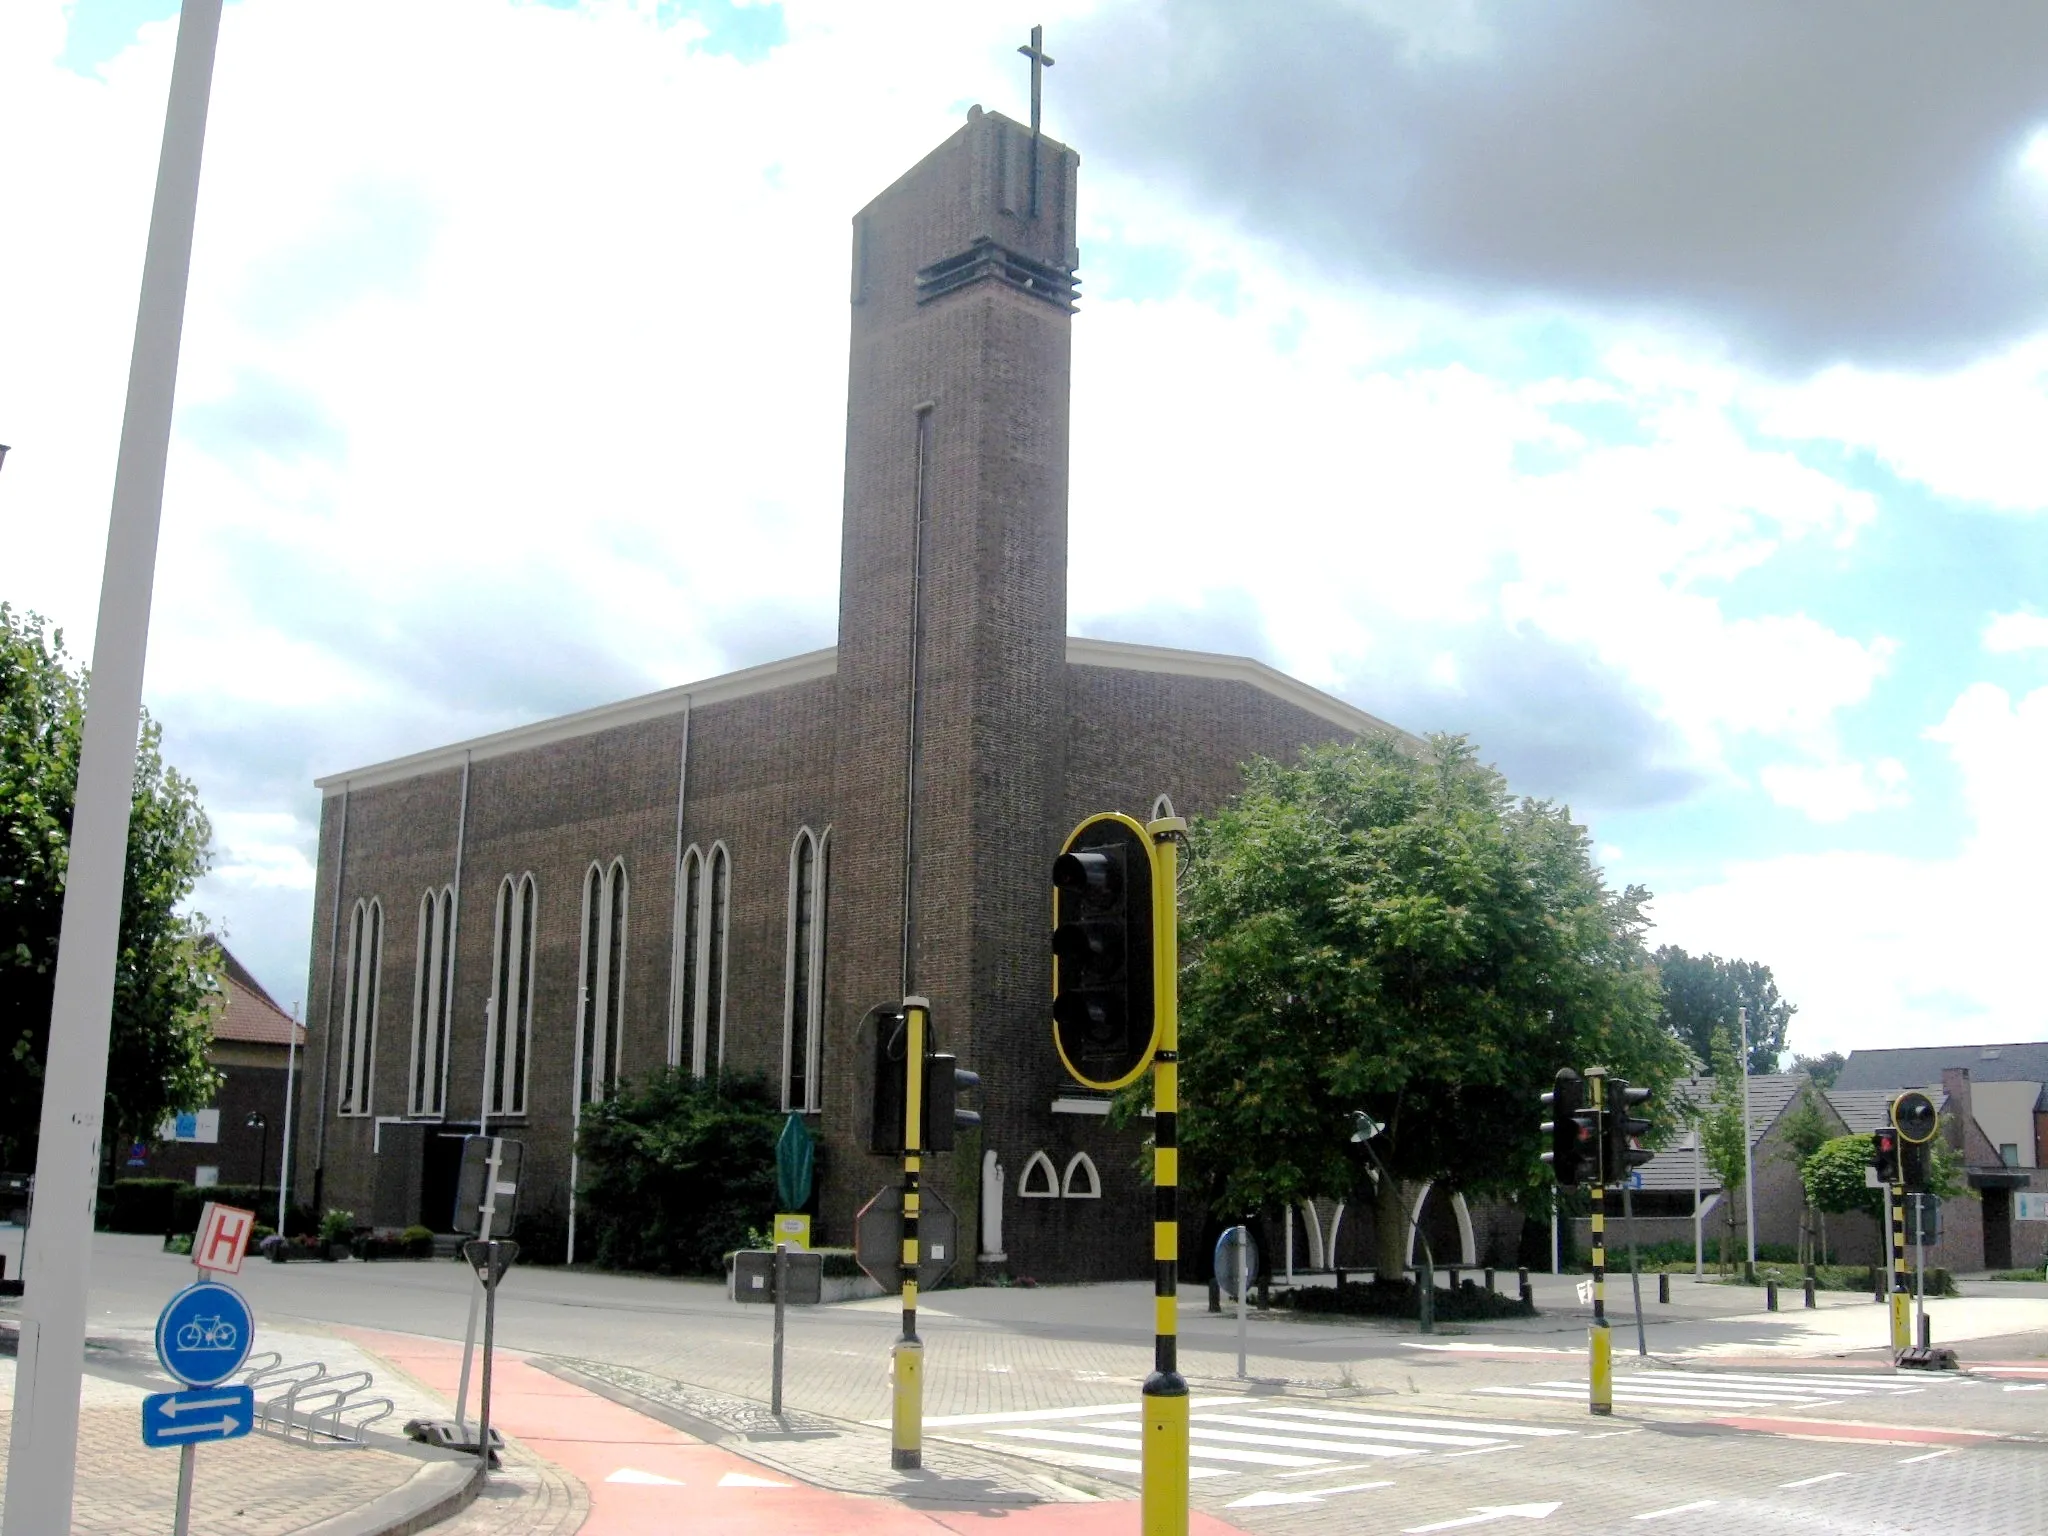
x=1364 y=1129
x=258 y=1121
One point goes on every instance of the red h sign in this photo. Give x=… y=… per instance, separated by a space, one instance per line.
x=222 y=1239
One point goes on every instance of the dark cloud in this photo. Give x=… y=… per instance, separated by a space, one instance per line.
x=1826 y=180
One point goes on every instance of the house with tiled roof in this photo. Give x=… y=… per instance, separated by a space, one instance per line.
x=240 y=1137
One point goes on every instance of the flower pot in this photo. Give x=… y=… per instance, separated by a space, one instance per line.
x=336 y=1251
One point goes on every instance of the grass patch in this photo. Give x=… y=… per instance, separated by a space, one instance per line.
x=2020 y=1275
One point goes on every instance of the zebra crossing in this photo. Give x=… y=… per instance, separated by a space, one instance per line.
x=1230 y=1436
x=1724 y=1390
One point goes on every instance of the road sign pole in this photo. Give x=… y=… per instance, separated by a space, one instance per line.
x=1601 y=1379
x=181 y=1519
x=906 y=1444
x=781 y=1293
x=43 y=1443
x=1165 y=1446
x=1243 y=1290
x=483 y=1233
x=483 y=1406
x=1635 y=1269
x=1920 y=1273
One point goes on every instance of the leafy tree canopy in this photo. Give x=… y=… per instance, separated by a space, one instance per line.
x=1833 y=1176
x=1377 y=930
x=167 y=974
x=1823 y=1069
x=1702 y=993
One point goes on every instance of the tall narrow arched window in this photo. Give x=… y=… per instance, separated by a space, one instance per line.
x=717 y=913
x=433 y=976
x=804 y=972
x=601 y=999
x=513 y=941
x=359 y=1007
x=686 y=1020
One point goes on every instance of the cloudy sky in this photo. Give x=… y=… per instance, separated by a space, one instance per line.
x=1659 y=394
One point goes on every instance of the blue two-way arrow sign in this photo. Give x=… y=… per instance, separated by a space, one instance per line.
x=205 y=1413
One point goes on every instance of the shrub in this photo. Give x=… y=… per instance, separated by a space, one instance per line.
x=158 y=1206
x=1469 y=1302
x=675 y=1172
x=337 y=1226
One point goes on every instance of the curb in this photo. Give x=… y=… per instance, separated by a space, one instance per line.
x=439 y=1489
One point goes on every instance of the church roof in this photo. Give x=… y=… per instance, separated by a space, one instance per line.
x=813 y=665
x=246 y=1011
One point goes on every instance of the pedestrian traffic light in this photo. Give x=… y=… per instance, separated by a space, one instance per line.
x=890 y=1094
x=944 y=1081
x=1570 y=1129
x=1104 y=1024
x=1884 y=1154
x=1622 y=1145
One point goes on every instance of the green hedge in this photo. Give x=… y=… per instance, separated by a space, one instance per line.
x=1469 y=1302
x=159 y=1206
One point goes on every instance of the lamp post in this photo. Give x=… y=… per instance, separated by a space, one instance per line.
x=258 y=1121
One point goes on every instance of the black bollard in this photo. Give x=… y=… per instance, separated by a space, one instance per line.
x=1664 y=1288
x=1215 y=1292
x=1522 y=1286
x=1770 y=1295
x=1809 y=1291
x=1489 y=1280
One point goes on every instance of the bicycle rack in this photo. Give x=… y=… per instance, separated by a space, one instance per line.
x=315 y=1408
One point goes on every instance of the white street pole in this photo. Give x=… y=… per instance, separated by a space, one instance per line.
x=1699 y=1242
x=1748 y=1159
x=43 y=1448
x=284 y=1156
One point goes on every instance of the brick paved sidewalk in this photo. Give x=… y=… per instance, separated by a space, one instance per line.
x=255 y=1486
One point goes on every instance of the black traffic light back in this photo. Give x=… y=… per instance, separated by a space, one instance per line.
x=889 y=1101
x=1102 y=1008
x=1570 y=1154
x=944 y=1081
x=1884 y=1154
x=1624 y=1131
x=1915 y=1165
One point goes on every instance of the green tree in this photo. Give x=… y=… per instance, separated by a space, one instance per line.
x=166 y=978
x=1823 y=1069
x=1724 y=1133
x=1804 y=1130
x=1832 y=1175
x=1702 y=994
x=676 y=1170
x=1392 y=931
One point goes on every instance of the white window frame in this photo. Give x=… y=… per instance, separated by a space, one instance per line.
x=1049 y=1188
x=359 y=1008
x=515 y=943
x=607 y=1008
x=433 y=971
x=1081 y=1163
x=805 y=1034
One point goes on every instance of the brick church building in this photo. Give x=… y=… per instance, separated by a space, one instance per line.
x=727 y=876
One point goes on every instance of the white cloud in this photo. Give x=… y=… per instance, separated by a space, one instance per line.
x=2008 y=632
x=1833 y=792
x=1887 y=950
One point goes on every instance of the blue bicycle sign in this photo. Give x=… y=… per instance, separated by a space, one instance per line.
x=202 y=1337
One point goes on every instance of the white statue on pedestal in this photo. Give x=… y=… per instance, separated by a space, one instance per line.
x=991 y=1209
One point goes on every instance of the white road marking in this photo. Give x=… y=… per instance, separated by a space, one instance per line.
x=1930 y=1456
x=1274 y=1421
x=1808 y=1482
x=1574 y=1392
x=1201 y=1439
x=1487 y=1512
x=1676 y=1509
x=645 y=1479
x=1117 y=1443
x=1405 y=1421
x=748 y=1480
x=1043 y=1415
x=1307 y=1496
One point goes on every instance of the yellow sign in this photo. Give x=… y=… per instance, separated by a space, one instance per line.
x=793 y=1230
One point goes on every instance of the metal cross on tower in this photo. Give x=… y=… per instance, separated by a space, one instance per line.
x=1041 y=61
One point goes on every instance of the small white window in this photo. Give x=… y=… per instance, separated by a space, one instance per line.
x=1082 y=1182
x=206 y=1176
x=1040 y=1181
x=2009 y=1153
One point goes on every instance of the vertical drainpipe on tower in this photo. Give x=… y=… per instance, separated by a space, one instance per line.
x=327 y=1037
x=678 y=1005
x=919 y=513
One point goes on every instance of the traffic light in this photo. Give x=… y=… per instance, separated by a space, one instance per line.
x=1570 y=1129
x=1624 y=1131
x=891 y=1090
x=1884 y=1154
x=1104 y=1023
x=944 y=1080
x=1916 y=1120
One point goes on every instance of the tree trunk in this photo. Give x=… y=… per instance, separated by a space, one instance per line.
x=1390 y=1229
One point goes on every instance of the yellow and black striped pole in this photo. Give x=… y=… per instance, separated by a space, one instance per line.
x=906 y=1444
x=1901 y=1298
x=1602 y=1380
x=1165 y=1458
